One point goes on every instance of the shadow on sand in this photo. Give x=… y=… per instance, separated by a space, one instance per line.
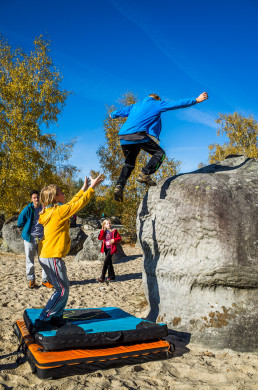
x=119 y=278
x=9 y=366
x=127 y=258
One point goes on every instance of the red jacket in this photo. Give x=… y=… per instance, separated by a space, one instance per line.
x=115 y=235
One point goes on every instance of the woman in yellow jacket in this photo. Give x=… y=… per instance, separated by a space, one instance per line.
x=56 y=244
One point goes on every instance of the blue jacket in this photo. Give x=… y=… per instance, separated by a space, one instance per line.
x=145 y=115
x=25 y=220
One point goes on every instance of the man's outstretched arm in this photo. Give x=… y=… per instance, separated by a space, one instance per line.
x=166 y=105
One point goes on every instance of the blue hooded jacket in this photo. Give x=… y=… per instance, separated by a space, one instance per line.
x=25 y=220
x=144 y=116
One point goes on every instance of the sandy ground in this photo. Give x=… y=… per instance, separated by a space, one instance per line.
x=191 y=367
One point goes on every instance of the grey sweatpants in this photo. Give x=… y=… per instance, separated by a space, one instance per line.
x=31 y=248
x=56 y=273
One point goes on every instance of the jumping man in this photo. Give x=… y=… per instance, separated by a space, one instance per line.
x=142 y=125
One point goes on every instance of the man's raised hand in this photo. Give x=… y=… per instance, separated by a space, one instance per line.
x=203 y=96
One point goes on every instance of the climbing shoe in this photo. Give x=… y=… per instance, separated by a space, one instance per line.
x=118 y=193
x=54 y=322
x=40 y=325
x=32 y=284
x=58 y=321
x=146 y=179
x=47 y=284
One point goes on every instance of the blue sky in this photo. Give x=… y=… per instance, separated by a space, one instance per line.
x=177 y=49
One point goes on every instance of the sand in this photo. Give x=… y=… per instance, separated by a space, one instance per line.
x=191 y=367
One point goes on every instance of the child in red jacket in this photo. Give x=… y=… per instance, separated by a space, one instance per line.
x=109 y=246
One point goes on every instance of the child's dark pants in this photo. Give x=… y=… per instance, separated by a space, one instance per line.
x=131 y=152
x=108 y=266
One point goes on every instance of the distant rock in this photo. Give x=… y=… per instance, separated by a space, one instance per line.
x=91 y=250
x=199 y=235
x=89 y=223
x=12 y=241
x=12 y=236
x=78 y=237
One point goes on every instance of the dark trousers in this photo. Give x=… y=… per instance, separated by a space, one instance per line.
x=108 y=266
x=131 y=152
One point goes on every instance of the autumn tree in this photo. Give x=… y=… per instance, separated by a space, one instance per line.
x=112 y=159
x=30 y=100
x=242 y=133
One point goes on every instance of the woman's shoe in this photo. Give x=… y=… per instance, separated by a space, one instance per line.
x=110 y=279
x=101 y=280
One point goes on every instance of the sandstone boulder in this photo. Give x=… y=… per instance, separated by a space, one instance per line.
x=11 y=233
x=89 y=223
x=91 y=250
x=78 y=237
x=199 y=236
x=92 y=221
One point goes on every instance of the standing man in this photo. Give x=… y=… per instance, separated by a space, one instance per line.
x=32 y=233
x=144 y=122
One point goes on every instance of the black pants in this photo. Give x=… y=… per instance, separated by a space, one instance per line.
x=108 y=266
x=131 y=152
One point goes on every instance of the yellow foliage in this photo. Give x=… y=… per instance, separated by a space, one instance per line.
x=242 y=133
x=30 y=97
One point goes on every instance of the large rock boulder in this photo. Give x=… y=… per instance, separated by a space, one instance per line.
x=199 y=235
x=91 y=250
x=78 y=237
x=11 y=233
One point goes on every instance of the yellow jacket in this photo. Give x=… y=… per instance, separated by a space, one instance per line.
x=56 y=241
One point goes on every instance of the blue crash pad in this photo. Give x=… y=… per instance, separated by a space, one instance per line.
x=94 y=327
